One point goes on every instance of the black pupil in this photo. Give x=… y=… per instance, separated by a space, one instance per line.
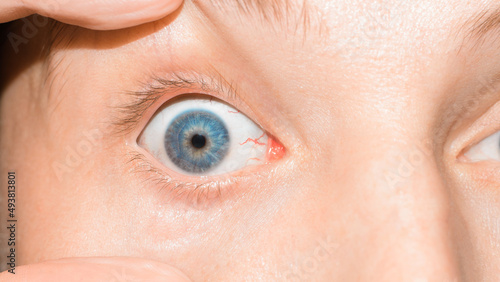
x=198 y=141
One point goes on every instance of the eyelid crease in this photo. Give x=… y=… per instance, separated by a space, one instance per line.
x=131 y=114
x=466 y=106
x=481 y=128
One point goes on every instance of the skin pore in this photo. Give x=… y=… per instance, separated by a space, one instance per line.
x=375 y=103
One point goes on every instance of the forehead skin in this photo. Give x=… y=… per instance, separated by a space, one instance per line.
x=349 y=87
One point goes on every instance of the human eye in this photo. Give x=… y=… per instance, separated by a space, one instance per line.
x=197 y=141
x=487 y=149
x=199 y=135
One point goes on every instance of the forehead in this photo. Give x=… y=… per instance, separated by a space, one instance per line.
x=349 y=33
x=351 y=30
x=365 y=16
x=363 y=47
x=342 y=25
x=283 y=38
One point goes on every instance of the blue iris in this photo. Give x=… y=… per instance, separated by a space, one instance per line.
x=196 y=141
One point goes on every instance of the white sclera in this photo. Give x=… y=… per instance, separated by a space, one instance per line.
x=242 y=150
x=487 y=149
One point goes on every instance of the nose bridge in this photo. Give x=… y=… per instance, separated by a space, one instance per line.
x=420 y=229
x=384 y=196
x=405 y=209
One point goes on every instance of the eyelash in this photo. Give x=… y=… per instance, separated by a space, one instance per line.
x=196 y=192
x=153 y=95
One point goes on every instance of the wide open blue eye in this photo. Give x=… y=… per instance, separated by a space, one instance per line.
x=197 y=141
x=203 y=136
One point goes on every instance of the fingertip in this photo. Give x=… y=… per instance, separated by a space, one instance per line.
x=11 y=10
x=137 y=12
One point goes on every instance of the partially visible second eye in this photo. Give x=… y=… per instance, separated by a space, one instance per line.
x=201 y=136
x=487 y=149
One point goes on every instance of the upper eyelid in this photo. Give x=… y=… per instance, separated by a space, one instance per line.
x=486 y=125
x=132 y=113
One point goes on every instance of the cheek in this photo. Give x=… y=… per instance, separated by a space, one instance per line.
x=25 y=148
x=59 y=202
x=91 y=210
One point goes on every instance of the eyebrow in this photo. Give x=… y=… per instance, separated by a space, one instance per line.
x=279 y=14
x=480 y=24
x=265 y=9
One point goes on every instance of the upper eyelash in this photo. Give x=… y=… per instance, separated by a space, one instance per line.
x=132 y=113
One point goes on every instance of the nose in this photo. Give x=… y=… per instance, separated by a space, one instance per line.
x=393 y=221
x=415 y=244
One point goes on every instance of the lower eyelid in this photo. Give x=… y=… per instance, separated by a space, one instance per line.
x=485 y=173
x=172 y=190
x=193 y=192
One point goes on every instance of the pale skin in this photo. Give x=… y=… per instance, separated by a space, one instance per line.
x=374 y=102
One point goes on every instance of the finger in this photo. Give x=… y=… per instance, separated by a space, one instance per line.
x=96 y=269
x=97 y=14
x=11 y=10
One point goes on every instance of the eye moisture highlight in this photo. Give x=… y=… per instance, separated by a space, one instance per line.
x=202 y=136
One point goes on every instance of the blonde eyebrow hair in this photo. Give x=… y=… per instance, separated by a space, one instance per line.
x=476 y=27
x=279 y=14
x=267 y=10
x=483 y=22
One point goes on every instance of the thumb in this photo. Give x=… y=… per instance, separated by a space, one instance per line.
x=113 y=269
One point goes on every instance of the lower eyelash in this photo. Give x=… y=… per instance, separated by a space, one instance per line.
x=195 y=195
